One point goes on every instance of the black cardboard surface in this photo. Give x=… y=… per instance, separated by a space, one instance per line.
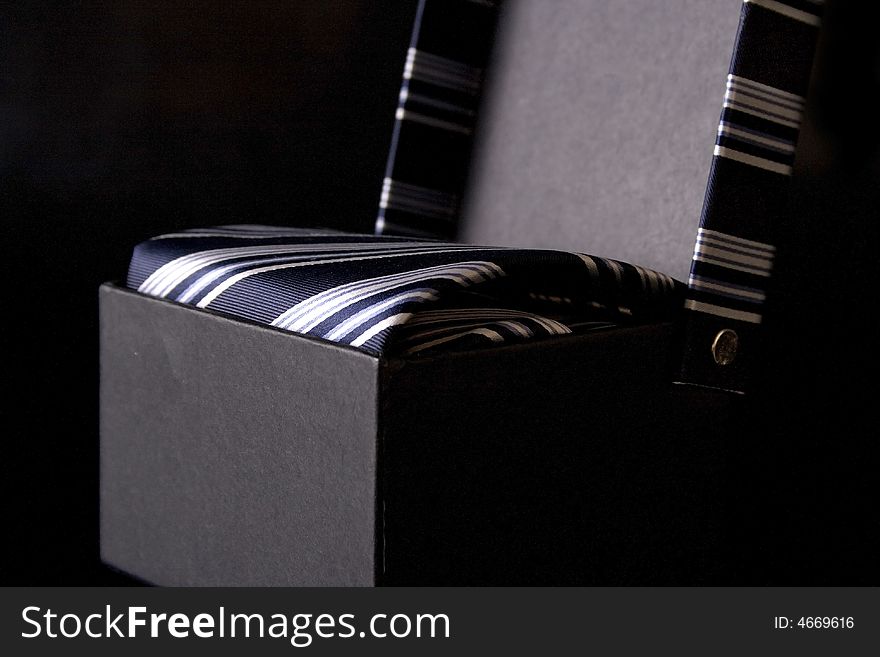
x=232 y=454
x=597 y=127
x=237 y=454
x=572 y=461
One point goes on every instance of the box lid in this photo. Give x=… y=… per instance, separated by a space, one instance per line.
x=597 y=126
x=595 y=135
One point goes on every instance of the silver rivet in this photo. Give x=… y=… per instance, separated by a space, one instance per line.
x=724 y=347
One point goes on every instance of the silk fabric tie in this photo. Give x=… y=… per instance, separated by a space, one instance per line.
x=397 y=294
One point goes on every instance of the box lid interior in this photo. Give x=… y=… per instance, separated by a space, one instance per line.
x=597 y=127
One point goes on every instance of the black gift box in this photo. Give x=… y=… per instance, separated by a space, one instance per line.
x=236 y=454
x=233 y=453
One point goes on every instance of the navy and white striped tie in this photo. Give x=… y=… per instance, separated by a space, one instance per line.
x=748 y=190
x=397 y=294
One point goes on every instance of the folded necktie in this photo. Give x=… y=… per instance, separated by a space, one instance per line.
x=399 y=295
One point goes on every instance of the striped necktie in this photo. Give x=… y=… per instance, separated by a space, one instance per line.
x=436 y=115
x=397 y=295
x=748 y=190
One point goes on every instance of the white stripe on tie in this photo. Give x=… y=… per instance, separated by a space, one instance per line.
x=721 y=311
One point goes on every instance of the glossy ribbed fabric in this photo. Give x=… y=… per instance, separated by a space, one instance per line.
x=397 y=295
x=748 y=190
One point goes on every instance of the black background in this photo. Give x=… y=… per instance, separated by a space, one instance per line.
x=122 y=120
x=119 y=121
